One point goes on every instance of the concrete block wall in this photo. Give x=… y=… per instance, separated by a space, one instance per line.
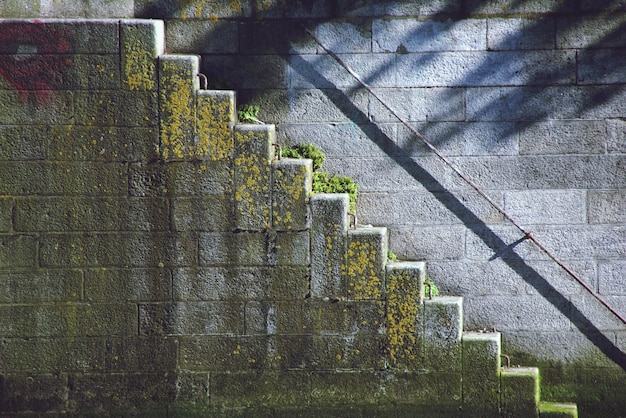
x=527 y=98
x=545 y=140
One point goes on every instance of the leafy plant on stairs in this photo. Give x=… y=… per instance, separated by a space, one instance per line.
x=323 y=182
x=249 y=113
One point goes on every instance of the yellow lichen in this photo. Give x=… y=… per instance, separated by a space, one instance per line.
x=177 y=114
x=363 y=277
x=139 y=65
x=402 y=308
x=214 y=134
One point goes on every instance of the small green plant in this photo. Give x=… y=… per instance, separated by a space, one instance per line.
x=323 y=182
x=391 y=256
x=249 y=113
x=304 y=150
x=433 y=288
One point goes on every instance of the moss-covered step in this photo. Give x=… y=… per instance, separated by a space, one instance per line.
x=558 y=410
x=481 y=373
x=520 y=391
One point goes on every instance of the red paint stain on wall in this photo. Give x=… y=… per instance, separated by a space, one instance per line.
x=32 y=60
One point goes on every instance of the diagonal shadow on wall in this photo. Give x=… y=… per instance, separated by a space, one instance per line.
x=340 y=96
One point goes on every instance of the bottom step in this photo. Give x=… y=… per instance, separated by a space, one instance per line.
x=558 y=410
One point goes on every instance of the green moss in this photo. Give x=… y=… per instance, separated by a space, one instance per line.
x=323 y=182
x=304 y=150
x=433 y=287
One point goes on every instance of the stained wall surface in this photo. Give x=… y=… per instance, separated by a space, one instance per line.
x=527 y=98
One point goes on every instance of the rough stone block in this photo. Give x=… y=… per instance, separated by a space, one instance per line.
x=136 y=355
x=259 y=393
x=261 y=38
x=525 y=68
x=553 y=102
x=112 y=250
x=366 y=254
x=606 y=206
x=68 y=319
x=242 y=248
x=476 y=278
x=240 y=283
x=274 y=318
x=291 y=186
x=616 y=141
x=499 y=7
x=515 y=314
x=49 y=355
x=41 y=286
x=203 y=36
x=193 y=178
x=64 y=214
x=346 y=352
x=292 y=248
x=146 y=393
x=431 y=243
x=22 y=143
x=520 y=33
x=602 y=66
x=18 y=251
x=29 y=107
x=6 y=211
x=253 y=145
x=141 y=42
x=340 y=140
x=417 y=104
x=405 y=311
x=440 y=392
x=322 y=71
x=591 y=32
x=397 y=8
x=37 y=392
x=563 y=137
x=332 y=317
x=520 y=392
x=443 y=328
x=178 y=81
x=611 y=278
x=119 y=285
x=481 y=374
x=90 y=72
x=92 y=143
x=530 y=207
x=68 y=178
x=116 y=108
x=216 y=117
x=415 y=208
x=205 y=213
x=315 y=105
x=403 y=36
x=221 y=353
x=187 y=318
x=473 y=139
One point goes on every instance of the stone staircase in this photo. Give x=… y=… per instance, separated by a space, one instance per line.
x=371 y=341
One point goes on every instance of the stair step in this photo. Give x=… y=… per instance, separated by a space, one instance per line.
x=558 y=410
x=366 y=256
x=405 y=313
x=252 y=169
x=291 y=187
x=481 y=373
x=329 y=228
x=216 y=110
x=520 y=391
x=443 y=329
x=178 y=78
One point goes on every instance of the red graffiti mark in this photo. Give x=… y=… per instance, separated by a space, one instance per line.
x=31 y=58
